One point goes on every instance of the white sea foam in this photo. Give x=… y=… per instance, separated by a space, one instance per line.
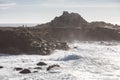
x=84 y=61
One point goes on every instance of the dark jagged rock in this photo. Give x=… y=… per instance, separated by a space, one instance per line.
x=25 y=71
x=18 y=68
x=68 y=20
x=52 y=66
x=41 y=64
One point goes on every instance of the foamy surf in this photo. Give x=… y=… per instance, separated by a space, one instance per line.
x=84 y=61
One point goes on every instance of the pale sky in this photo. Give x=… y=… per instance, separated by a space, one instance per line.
x=42 y=11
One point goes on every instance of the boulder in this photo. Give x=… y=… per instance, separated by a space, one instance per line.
x=18 y=68
x=52 y=66
x=25 y=71
x=1 y=67
x=41 y=64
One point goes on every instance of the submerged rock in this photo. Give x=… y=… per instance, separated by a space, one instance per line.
x=35 y=71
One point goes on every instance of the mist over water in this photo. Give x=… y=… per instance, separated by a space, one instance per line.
x=83 y=61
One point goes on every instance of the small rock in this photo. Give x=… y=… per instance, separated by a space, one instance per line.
x=18 y=68
x=37 y=68
x=52 y=66
x=25 y=71
x=1 y=67
x=75 y=47
x=35 y=71
x=41 y=64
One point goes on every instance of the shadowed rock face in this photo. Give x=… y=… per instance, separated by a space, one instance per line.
x=67 y=20
x=43 y=39
x=27 y=40
x=11 y=40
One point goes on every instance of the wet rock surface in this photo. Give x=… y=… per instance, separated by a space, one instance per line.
x=37 y=68
x=43 y=67
x=25 y=71
x=52 y=66
x=18 y=68
x=1 y=67
x=41 y=64
x=35 y=71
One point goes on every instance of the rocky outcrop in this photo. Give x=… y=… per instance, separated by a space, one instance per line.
x=71 y=26
x=27 y=40
x=67 y=20
x=43 y=39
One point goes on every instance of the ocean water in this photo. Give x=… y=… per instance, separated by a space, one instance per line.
x=18 y=25
x=83 y=61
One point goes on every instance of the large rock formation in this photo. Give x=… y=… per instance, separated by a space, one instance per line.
x=43 y=39
x=71 y=26
x=27 y=40
x=68 y=20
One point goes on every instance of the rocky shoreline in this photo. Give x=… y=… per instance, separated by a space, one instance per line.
x=21 y=40
x=45 y=38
